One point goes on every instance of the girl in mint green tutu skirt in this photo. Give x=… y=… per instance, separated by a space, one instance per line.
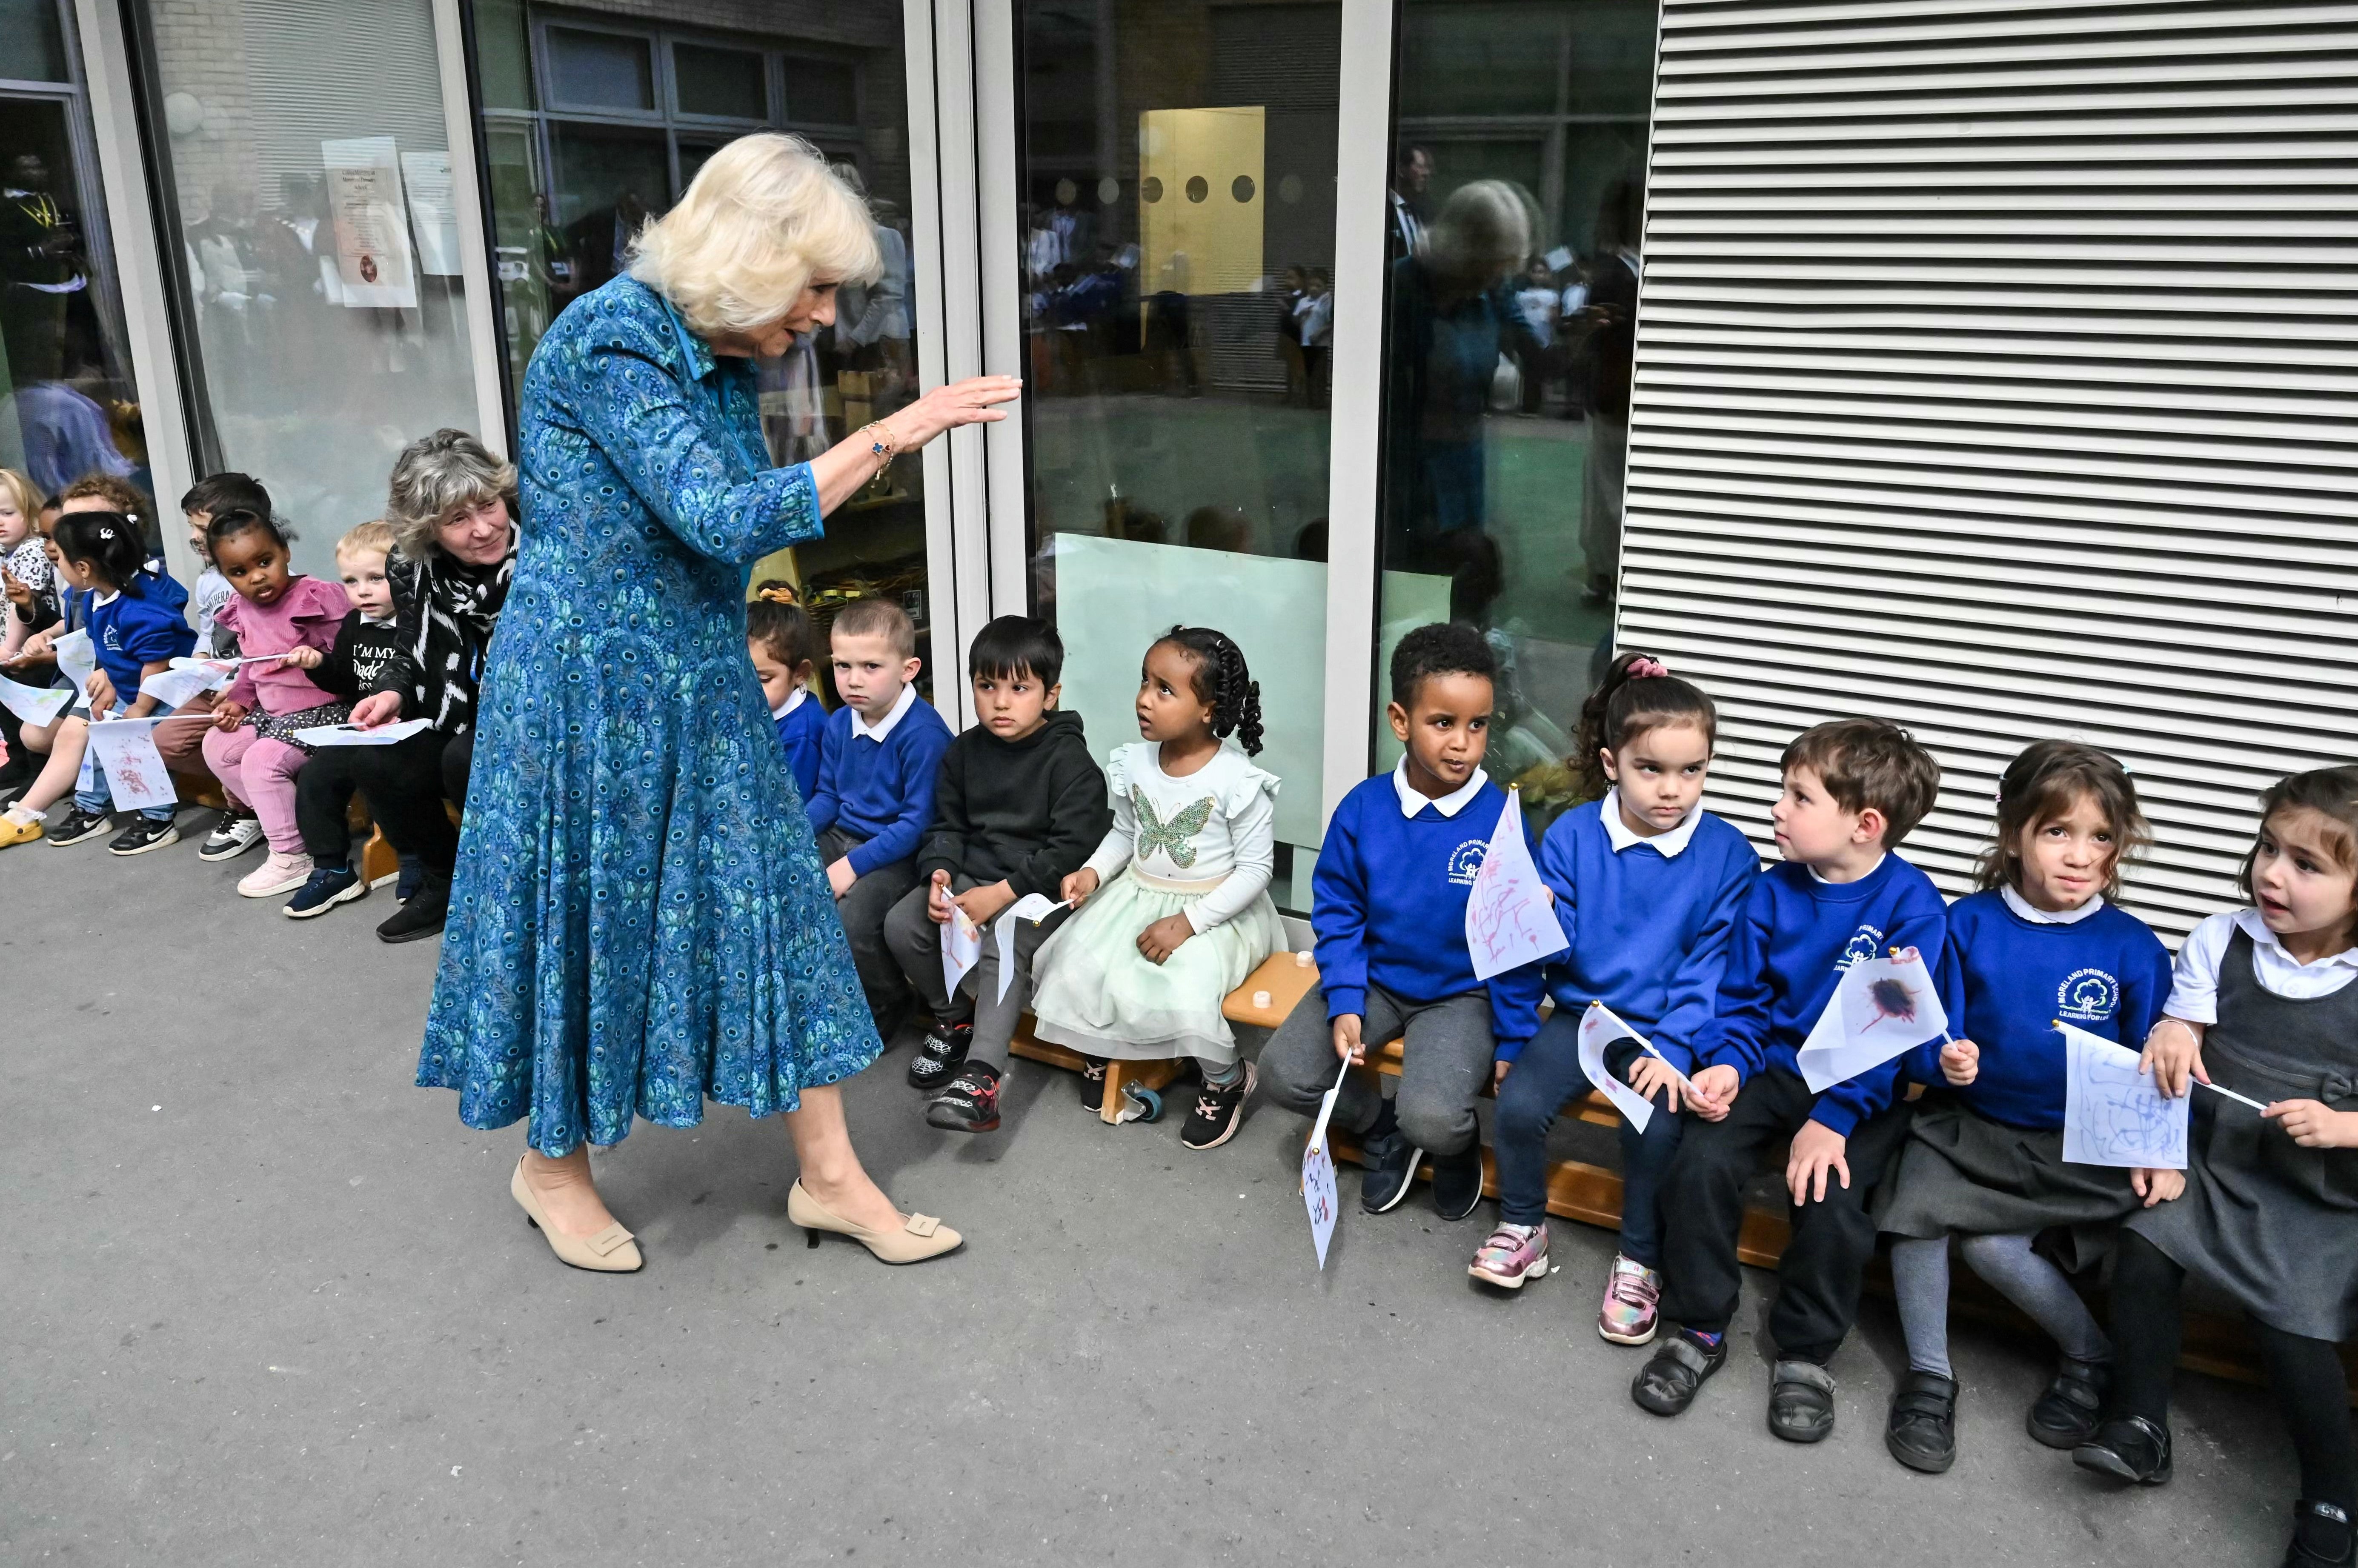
x=1172 y=910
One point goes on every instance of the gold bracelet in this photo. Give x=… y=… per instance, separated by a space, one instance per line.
x=880 y=443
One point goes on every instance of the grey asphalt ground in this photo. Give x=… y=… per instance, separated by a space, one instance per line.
x=262 y=1302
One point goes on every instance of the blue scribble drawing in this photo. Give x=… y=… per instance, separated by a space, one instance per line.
x=2114 y=1115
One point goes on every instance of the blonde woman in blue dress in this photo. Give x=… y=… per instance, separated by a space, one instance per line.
x=640 y=923
x=1173 y=908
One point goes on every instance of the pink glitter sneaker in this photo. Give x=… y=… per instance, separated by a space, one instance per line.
x=1511 y=1255
x=1632 y=1304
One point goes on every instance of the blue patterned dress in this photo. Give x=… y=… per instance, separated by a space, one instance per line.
x=640 y=920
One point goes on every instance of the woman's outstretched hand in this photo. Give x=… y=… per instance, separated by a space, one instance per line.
x=971 y=402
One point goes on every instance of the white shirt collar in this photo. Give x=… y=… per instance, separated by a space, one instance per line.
x=103 y=599
x=2038 y=916
x=2258 y=930
x=794 y=700
x=1826 y=882
x=1618 y=833
x=883 y=727
x=1411 y=803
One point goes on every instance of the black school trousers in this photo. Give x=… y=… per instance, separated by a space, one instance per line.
x=405 y=784
x=1702 y=1210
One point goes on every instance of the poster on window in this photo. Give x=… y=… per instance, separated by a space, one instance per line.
x=374 y=264
x=432 y=212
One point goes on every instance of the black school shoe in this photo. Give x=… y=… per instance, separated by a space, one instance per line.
x=970 y=1104
x=1093 y=1084
x=1386 y=1169
x=2320 y=1537
x=1219 y=1112
x=2128 y=1448
x=1457 y=1182
x=145 y=833
x=1802 y=1401
x=1921 y=1431
x=940 y=1054
x=77 y=825
x=2065 y=1415
x=424 y=914
x=1668 y=1382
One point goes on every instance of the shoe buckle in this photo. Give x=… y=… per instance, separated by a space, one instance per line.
x=922 y=1224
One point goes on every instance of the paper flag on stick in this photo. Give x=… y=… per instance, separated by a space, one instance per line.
x=77 y=660
x=2113 y=1114
x=1600 y=1027
x=1510 y=920
x=34 y=703
x=1881 y=1008
x=1032 y=906
x=1318 y=1175
x=126 y=748
x=961 y=948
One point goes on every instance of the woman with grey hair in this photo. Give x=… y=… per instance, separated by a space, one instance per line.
x=640 y=922
x=452 y=504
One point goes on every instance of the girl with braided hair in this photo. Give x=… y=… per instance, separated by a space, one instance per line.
x=1177 y=910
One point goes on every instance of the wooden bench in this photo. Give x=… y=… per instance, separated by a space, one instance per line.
x=379 y=861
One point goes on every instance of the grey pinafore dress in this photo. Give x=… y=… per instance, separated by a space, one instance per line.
x=2271 y=1223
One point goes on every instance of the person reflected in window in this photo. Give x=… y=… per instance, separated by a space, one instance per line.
x=1315 y=317
x=1453 y=316
x=1411 y=172
x=1611 y=323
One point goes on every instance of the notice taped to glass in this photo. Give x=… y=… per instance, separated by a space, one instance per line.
x=373 y=263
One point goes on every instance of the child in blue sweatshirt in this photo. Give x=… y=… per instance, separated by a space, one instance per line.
x=1853 y=790
x=1388 y=906
x=1984 y=1158
x=778 y=640
x=875 y=790
x=1647 y=886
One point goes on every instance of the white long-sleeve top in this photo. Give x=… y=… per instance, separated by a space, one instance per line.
x=1218 y=824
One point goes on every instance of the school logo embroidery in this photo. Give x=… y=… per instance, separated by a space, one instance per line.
x=2088 y=996
x=1467 y=859
x=1864 y=944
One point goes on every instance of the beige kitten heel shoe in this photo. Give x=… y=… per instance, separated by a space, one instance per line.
x=921 y=1236
x=610 y=1251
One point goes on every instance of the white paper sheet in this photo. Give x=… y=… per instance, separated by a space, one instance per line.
x=136 y=776
x=34 y=703
x=1510 y=920
x=1600 y=1027
x=1032 y=906
x=2114 y=1115
x=77 y=659
x=1881 y=1008
x=1319 y=1196
x=353 y=735
x=961 y=948
x=170 y=688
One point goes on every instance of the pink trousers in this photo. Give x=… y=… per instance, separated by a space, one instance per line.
x=261 y=774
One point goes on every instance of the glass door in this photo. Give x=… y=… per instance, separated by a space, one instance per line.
x=1175 y=177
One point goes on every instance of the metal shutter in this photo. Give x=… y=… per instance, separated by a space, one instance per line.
x=1994 y=376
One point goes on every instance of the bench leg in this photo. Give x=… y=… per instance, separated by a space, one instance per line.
x=378 y=860
x=1155 y=1076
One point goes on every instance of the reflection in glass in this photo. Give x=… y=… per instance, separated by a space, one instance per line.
x=1178 y=444
x=1513 y=227
x=67 y=407
x=571 y=186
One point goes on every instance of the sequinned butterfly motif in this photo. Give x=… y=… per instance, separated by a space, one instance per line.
x=1176 y=838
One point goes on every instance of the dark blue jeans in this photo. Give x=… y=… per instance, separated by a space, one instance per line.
x=1543 y=1077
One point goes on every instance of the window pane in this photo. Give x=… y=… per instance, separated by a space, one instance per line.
x=1179 y=217
x=728 y=82
x=503 y=53
x=600 y=70
x=822 y=92
x=37 y=46
x=66 y=406
x=1519 y=174
x=319 y=247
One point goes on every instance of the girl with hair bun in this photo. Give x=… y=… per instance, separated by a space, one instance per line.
x=1185 y=913
x=1648 y=886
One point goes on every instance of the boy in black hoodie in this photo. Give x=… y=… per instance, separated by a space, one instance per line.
x=1017 y=807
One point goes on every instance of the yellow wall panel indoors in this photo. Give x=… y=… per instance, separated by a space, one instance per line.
x=1200 y=199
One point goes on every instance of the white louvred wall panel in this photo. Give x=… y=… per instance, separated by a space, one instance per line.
x=1996 y=374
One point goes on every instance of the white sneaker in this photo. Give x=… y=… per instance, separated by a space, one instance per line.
x=280 y=873
x=234 y=838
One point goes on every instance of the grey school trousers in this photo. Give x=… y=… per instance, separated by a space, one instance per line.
x=917 y=944
x=1445 y=1061
x=863 y=911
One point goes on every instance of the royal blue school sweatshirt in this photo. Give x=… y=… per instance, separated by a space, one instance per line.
x=1388 y=905
x=1650 y=931
x=1792 y=942
x=798 y=732
x=140 y=626
x=880 y=791
x=2006 y=978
